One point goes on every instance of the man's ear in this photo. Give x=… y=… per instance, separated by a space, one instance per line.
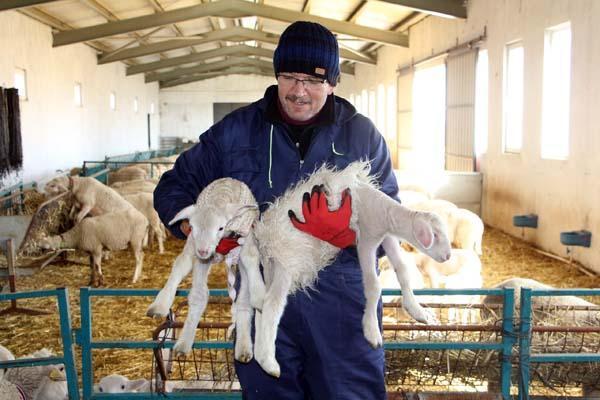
x=186 y=213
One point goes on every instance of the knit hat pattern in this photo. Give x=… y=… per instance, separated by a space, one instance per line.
x=308 y=48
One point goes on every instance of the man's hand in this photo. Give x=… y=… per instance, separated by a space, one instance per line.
x=330 y=226
x=185 y=227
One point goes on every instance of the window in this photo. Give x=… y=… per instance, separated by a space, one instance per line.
x=364 y=105
x=429 y=117
x=77 y=95
x=380 y=111
x=556 y=92
x=358 y=104
x=391 y=112
x=135 y=105
x=372 y=104
x=20 y=83
x=513 y=98
x=481 y=103
x=113 y=101
x=152 y=108
x=352 y=99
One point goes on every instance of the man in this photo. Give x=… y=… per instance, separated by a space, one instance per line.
x=270 y=145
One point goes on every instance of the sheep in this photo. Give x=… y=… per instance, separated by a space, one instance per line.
x=132 y=187
x=546 y=302
x=224 y=207
x=292 y=258
x=144 y=203
x=40 y=382
x=5 y=355
x=409 y=197
x=116 y=383
x=112 y=231
x=91 y=196
x=128 y=173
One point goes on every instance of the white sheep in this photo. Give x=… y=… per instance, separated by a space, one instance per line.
x=128 y=173
x=116 y=383
x=144 y=203
x=132 y=187
x=224 y=207
x=547 y=303
x=40 y=382
x=408 y=197
x=91 y=196
x=112 y=231
x=292 y=258
x=5 y=355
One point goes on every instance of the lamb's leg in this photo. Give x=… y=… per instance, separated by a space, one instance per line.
x=251 y=261
x=85 y=209
x=242 y=311
x=139 y=260
x=181 y=268
x=409 y=301
x=266 y=330
x=96 y=260
x=160 y=238
x=197 y=300
x=372 y=288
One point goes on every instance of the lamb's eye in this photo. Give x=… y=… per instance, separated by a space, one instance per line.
x=220 y=229
x=101 y=390
x=122 y=387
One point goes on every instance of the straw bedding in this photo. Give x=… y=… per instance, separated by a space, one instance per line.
x=124 y=318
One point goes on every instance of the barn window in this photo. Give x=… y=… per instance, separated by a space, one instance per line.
x=77 y=95
x=358 y=104
x=364 y=105
x=135 y=105
x=113 y=101
x=391 y=108
x=20 y=83
x=429 y=115
x=556 y=92
x=513 y=97
x=481 y=102
x=380 y=109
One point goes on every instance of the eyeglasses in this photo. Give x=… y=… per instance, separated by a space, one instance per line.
x=309 y=83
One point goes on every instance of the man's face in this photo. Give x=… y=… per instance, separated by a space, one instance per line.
x=302 y=100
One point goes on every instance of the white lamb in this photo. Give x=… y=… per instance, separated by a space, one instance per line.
x=292 y=259
x=128 y=173
x=40 y=382
x=132 y=187
x=224 y=207
x=144 y=203
x=547 y=303
x=116 y=383
x=112 y=231
x=92 y=197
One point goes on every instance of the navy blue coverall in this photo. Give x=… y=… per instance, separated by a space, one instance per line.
x=320 y=344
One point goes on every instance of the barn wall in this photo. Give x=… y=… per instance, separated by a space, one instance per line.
x=56 y=133
x=565 y=194
x=187 y=110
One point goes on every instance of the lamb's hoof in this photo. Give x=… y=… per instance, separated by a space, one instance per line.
x=270 y=366
x=427 y=317
x=182 y=348
x=257 y=300
x=373 y=336
x=243 y=353
x=157 y=310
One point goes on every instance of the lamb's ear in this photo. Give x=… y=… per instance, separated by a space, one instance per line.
x=423 y=233
x=240 y=211
x=186 y=213
x=137 y=385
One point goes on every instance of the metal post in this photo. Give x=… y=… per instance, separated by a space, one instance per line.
x=67 y=339
x=12 y=273
x=524 y=343
x=508 y=341
x=87 y=371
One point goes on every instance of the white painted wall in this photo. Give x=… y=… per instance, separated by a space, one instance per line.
x=57 y=134
x=187 y=110
x=565 y=194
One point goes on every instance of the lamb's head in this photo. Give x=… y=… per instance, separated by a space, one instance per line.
x=54 y=381
x=116 y=383
x=209 y=225
x=430 y=236
x=57 y=186
x=50 y=242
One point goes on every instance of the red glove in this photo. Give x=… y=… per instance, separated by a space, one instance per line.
x=227 y=244
x=330 y=226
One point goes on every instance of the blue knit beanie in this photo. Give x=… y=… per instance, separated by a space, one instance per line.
x=308 y=48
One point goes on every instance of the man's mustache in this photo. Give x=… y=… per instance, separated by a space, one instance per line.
x=294 y=99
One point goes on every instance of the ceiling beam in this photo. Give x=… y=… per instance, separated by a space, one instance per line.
x=208 y=75
x=236 y=34
x=356 y=12
x=15 y=4
x=229 y=62
x=441 y=8
x=241 y=49
x=227 y=9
